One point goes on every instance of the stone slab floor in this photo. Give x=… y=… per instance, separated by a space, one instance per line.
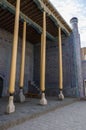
x=71 y=117
x=32 y=110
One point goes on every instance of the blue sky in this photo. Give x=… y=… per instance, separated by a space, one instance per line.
x=73 y=8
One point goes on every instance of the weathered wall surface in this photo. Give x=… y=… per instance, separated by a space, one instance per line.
x=78 y=64
x=69 y=73
x=84 y=69
x=77 y=53
x=6 y=39
x=32 y=64
x=84 y=76
x=52 y=67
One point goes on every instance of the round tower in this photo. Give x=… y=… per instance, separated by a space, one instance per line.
x=77 y=56
x=74 y=24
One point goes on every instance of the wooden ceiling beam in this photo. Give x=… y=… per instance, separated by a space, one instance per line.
x=31 y=14
x=23 y=17
x=26 y=6
x=6 y=19
x=9 y=23
x=57 y=21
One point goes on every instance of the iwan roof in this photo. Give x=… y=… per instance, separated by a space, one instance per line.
x=32 y=12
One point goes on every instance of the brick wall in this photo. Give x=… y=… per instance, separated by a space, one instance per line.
x=6 y=39
x=77 y=56
x=84 y=69
x=78 y=64
x=52 y=67
x=84 y=76
x=69 y=73
x=32 y=64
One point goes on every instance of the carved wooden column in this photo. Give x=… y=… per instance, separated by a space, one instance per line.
x=61 y=96
x=21 y=95
x=43 y=100
x=11 y=106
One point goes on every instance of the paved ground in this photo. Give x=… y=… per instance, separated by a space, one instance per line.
x=28 y=110
x=71 y=117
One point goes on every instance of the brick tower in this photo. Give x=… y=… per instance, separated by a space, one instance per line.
x=77 y=56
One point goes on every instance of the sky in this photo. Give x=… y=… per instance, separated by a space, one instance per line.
x=73 y=8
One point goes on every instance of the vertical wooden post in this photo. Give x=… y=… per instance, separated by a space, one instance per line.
x=60 y=62
x=43 y=101
x=21 y=96
x=23 y=57
x=11 y=107
x=61 y=96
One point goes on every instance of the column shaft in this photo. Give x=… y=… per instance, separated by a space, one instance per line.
x=60 y=62
x=14 y=50
x=43 y=54
x=23 y=57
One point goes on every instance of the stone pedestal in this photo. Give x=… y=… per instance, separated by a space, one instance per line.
x=21 y=96
x=43 y=100
x=61 y=96
x=11 y=106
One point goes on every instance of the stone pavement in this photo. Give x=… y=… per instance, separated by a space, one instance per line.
x=28 y=110
x=70 y=117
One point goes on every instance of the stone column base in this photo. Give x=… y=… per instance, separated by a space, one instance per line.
x=11 y=106
x=61 y=96
x=21 y=96
x=43 y=100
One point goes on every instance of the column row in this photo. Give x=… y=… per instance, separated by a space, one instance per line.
x=43 y=101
